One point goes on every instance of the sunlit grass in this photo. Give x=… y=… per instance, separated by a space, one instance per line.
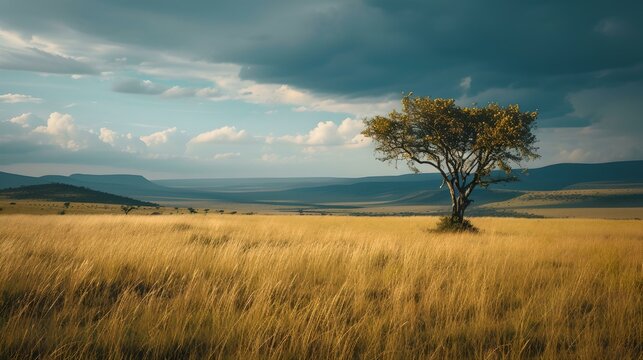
x=115 y=286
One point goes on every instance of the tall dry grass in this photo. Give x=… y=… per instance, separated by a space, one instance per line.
x=318 y=287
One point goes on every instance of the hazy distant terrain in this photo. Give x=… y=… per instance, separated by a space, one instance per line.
x=608 y=185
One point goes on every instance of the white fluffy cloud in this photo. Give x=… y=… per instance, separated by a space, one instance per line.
x=22 y=120
x=123 y=142
x=159 y=137
x=328 y=133
x=223 y=134
x=62 y=130
x=107 y=136
x=11 y=98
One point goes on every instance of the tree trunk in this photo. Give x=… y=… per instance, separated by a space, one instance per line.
x=459 y=201
x=459 y=206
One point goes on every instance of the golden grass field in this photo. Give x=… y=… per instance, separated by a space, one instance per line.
x=318 y=287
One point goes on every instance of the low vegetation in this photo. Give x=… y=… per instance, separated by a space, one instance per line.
x=115 y=286
x=450 y=224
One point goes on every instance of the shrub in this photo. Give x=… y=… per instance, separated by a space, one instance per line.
x=451 y=224
x=126 y=209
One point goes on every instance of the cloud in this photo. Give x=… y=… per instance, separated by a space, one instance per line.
x=122 y=142
x=353 y=58
x=225 y=156
x=223 y=134
x=616 y=108
x=270 y=157
x=208 y=93
x=22 y=120
x=179 y=92
x=465 y=83
x=328 y=133
x=134 y=86
x=307 y=101
x=62 y=130
x=108 y=136
x=11 y=98
x=158 y=138
x=325 y=133
x=356 y=49
x=148 y=87
x=611 y=27
x=41 y=61
x=614 y=116
x=37 y=54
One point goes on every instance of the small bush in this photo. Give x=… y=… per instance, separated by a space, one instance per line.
x=451 y=224
x=61 y=212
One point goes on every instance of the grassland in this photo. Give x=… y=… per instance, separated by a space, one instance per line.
x=183 y=286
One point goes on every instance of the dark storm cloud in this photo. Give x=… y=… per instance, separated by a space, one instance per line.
x=535 y=53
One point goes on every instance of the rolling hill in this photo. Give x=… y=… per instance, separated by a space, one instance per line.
x=68 y=193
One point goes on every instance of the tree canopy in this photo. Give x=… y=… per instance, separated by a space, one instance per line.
x=465 y=144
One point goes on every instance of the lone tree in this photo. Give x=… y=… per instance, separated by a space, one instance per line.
x=127 y=208
x=465 y=144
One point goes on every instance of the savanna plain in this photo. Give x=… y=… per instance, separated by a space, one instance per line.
x=318 y=287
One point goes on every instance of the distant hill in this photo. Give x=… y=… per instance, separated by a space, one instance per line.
x=409 y=189
x=564 y=176
x=68 y=193
x=415 y=189
x=123 y=185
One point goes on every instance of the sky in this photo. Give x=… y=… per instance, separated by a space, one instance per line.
x=254 y=88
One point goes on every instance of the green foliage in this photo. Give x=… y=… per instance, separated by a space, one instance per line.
x=453 y=224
